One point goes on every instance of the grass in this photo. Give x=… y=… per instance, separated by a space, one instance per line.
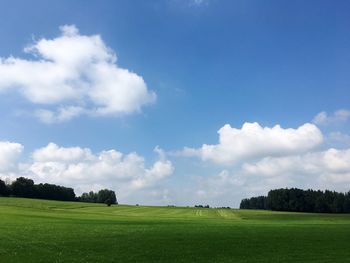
x=51 y=231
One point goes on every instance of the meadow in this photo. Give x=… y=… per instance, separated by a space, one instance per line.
x=52 y=231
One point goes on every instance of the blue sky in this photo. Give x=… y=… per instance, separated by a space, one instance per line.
x=210 y=63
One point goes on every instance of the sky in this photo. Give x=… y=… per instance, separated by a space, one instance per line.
x=176 y=102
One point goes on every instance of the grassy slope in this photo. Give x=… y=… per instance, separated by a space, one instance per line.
x=50 y=231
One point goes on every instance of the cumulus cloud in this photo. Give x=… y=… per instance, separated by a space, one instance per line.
x=339 y=138
x=254 y=141
x=9 y=155
x=53 y=153
x=74 y=74
x=84 y=170
x=257 y=159
x=339 y=116
x=329 y=169
x=81 y=168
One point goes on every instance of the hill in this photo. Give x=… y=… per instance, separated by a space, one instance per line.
x=53 y=231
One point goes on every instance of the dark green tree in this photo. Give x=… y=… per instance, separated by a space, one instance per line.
x=90 y=197
x=54 y=192
x=4 y=189
x=298 y=200
x=23 y=187
x=106 y=196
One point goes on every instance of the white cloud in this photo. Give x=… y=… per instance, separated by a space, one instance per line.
x=275 y=158
x=199 y=2
x=338 y=138
x=81 y=168
x=9 y=155
x=338 y=116
x=84 y=170
x=329 y=169
x=74 y=74
x=254 y=141
x=158 y=171
x=53 y=153
x=62 y=114
x=331 y=166
x=258 y=159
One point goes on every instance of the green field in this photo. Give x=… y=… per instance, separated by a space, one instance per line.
x=50 y=231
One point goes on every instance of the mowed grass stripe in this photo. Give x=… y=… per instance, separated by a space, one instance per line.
x=228 y=214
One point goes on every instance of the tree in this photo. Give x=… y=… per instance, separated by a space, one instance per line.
x=298 y=200
x=23 y=187
x=90 y=197
x=109 y=202
x=4 y=190
x=346 y=205
x=106 y=196
x=54 y=192
x=259 y=202
x=103 y=196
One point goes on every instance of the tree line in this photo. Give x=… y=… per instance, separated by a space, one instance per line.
x=202 y=206
x=25 y=187
x=298 y=200
x=103 y=196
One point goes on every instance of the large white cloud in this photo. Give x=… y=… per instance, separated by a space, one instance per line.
x=81 y=168
x=254 y=141
x=257 y=159
x=74 y=74
x=84 y=170
x=329 y=169
x=325 y=163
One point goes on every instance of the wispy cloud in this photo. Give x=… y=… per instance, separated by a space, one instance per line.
x=339 y=116
x=199 y=2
